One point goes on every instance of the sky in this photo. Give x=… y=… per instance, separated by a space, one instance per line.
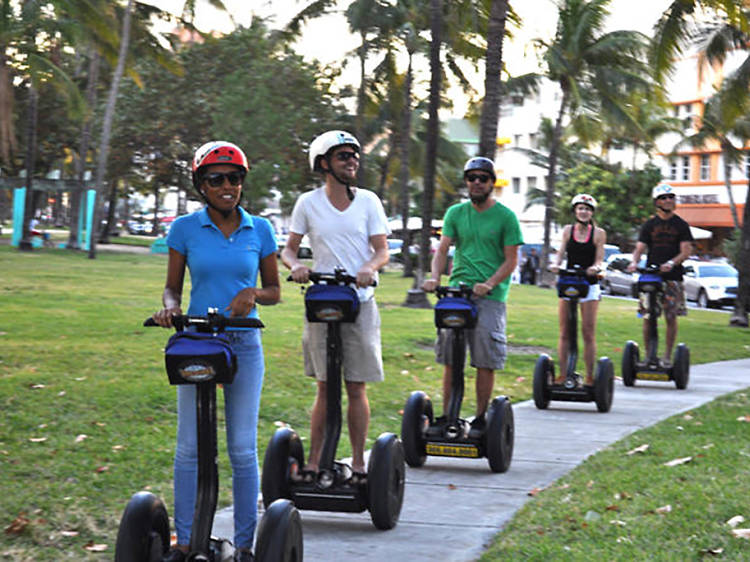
x=326 y=38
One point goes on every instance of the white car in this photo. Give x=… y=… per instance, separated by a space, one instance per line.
x=710 y=283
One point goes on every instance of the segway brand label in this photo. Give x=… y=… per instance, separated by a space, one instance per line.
x=197 y=372
x=329 y=314
x=653 y=376
x=444 y=450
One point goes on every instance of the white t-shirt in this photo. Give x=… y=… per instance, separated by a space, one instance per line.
x=340 y=238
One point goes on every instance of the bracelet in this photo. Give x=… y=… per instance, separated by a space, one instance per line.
x=671 y=262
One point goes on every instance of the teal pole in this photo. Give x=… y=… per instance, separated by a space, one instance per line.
x=90 y=205
x=81 y=214
x=19 y=202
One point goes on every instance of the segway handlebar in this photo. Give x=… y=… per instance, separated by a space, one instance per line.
x=463 y=290
x=213 y=321
x=575 y=271
x=650 y=268
x=338 y=277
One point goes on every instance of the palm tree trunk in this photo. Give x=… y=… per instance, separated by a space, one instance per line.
x=433 y=131
x=8 y=143
x=77 y=195
x=728 y=185
x=739 y=317
x=28 y=208
x=109 y=114
x=549 y=197
x=493 y=68
x=360 y=117
x=403 y=176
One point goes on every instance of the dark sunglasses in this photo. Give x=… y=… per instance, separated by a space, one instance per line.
x=474 y=177
x=216 y=179
x=346 y=155
x=667 y=196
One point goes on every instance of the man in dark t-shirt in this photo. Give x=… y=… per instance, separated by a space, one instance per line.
x=669 y=242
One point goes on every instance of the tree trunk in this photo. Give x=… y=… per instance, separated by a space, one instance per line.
x=728 y=184
x=77 y=195
x=549 y=197
x=8 y=143
x=493 y=68
x=403 y=176
x=360 y=117
x=109 y=114
x=384 y=171
x=155 y=223
x=28 y=209
x=739 y=317
x=433 y=132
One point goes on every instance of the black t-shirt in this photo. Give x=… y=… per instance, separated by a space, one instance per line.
x=663 y=239
x=582 y=254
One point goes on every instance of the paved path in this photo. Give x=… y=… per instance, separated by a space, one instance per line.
x=453 y=508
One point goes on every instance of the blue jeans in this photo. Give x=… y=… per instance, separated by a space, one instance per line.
x=241 y=403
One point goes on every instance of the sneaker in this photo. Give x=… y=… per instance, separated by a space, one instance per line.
x=243 y=555
x=478 y=425
x=174 y=555
x=665 y=363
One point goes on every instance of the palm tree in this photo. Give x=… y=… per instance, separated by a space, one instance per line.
x=593 y=70
x=492 y=80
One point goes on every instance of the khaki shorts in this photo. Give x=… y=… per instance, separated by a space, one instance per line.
x=487 y=342
x=362 y=361
x=672 y=301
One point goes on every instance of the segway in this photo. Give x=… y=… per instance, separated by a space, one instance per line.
x=450 y=435
x=203 y=358
x=651 y=283
x=331 y=300
x=572 y=286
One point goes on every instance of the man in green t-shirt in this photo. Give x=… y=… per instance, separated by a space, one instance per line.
x=486 y=235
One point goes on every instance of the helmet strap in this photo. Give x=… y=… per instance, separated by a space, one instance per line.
x=349 y=192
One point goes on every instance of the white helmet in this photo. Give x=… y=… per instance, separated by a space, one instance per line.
x=320 y=146
x=662 y=189
x=584 y=198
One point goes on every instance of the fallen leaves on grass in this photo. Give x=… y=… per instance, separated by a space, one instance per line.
x=279 y=423
x=640 y=449
x=618 y=522
x=533 y=492
x=520 y=379
x=623 y=496
x=745 y=418
x=101 y=469
x=37 y=439
x=36 y=386
x=712 y=551
x=404 y=372
x=677 y=462
x=69 y=533
x=592 y=516
x=663 y=509
x=81 y=437
x=91 y=546
x=452 y=486
x=736 y=520
x=18 y=525
x=741 y=533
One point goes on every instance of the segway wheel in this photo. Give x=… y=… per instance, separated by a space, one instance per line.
x=544 y=374
x=630 y=358
x=143 y=535
x=417 y=416
x=279 y=537
x=284 y=449
x=386 y=474
x=499 y=434
x=681 y=366
x=604 y=384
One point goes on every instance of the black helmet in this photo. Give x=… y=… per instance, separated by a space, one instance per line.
x=480 y=163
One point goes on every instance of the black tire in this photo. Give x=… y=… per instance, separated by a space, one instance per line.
x=499 y=434
x=544 y=374
x=279 y=537
x=143 y=535
x=630 y=358
x=284 y=448
x=604 y=384
x=386 y=474
x=417 y=415
x=681 y=366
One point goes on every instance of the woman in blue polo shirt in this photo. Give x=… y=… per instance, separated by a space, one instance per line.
x=225 y=249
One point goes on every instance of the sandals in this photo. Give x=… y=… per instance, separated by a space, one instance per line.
x=305 y=476
x=357 y=478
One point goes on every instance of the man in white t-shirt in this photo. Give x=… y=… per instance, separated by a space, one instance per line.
x=347 y=228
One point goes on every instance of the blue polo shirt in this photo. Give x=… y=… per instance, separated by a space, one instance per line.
x=221 y=267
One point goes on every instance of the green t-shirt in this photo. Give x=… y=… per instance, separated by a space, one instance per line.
x=480 y=240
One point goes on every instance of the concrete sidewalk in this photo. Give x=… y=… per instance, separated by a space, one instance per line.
x=453 y=507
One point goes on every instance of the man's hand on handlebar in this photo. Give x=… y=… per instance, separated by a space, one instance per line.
x=430 y=285
x=365 y=276
x=300 y=273
x=481 y=289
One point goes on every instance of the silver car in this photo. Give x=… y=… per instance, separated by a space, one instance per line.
x=710 y=283
x=616 y=280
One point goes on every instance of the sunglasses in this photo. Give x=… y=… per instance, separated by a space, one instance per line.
x=346 y=155
x=668 y=196
x=216 y=179
x=474 y=177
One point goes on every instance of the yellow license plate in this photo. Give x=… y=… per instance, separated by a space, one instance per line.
x=653 y=376
x=443 y=450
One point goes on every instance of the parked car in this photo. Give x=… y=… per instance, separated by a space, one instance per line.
x=710 y=283
x=304 y=252
x=616 y=280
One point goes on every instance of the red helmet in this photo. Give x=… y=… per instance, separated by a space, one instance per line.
x=218 y=152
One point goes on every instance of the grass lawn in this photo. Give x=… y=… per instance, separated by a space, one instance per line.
x=87 y=417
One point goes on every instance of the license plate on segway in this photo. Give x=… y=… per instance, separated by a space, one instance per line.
x=463 y=450
x=648 y=376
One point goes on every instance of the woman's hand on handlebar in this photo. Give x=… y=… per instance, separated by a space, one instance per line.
x=554 y=268
x=242 y=303
x=164 y=317
x=300 y=273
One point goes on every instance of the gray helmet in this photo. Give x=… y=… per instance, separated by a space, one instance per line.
x=480 y=163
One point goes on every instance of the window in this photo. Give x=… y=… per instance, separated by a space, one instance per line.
x=705 y=167
x=672 y=169
x=676 y=110
x=530 y=183
x=516 y=185
x=516 y=140
x=688 y=109
x=747 y=166
x=532 y=140
x=686 y=168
